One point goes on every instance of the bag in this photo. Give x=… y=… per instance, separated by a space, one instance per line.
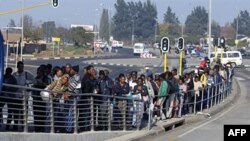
x=171 y=88
x=45 y=95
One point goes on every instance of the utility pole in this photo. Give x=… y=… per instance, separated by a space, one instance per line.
x=237 y=30
x=133 y=28
x=209 y=26
x=22 y=42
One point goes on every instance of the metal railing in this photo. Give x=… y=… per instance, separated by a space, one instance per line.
x=79 y=113
x=26 y=111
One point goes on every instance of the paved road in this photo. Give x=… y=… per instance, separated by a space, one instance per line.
x=212 y=129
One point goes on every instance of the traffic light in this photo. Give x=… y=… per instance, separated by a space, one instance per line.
x=180 y=44
x=222 y=42
x=55 y=3
x=165 y=44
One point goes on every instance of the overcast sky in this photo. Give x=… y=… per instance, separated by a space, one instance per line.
x=86 y=11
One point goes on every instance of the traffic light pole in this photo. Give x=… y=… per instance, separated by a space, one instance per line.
x=165 y=62
x=180 y=70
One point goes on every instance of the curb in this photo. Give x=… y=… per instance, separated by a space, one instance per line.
x=65 y=58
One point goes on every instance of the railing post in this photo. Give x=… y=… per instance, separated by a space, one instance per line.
x=212 y=96
x=149 y=113
x=92 y=113
x=75 y=116
x=202 y=96
x=25 y=112
x=109 y=115
x=137 y=115
x=52 y=116
x=208 y=96
x=195 y=102
x=124 y=114
x=216 y=94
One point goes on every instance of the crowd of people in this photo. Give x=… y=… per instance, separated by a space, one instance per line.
x=166 y=95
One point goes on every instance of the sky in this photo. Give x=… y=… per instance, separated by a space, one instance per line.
x=88 y=11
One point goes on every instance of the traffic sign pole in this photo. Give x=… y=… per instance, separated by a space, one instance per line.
x=165 y=62
x=180 y=71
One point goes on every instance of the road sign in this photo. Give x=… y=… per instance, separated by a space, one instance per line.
x=56 y=39
x=236 y=42
x=146 y=55
x=222 y=42
x=165 y=44
x=1 y=59
x=55 y=3
x=181 y=43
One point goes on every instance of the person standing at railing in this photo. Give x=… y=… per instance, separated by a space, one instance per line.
x=121 y=89
x=181 y=95
x=104 y=88
x=59 y=87
x=210 y=84
x=197 y=92
x=173 y=85
x=189 y=99
x=88 y=86
x=73 y=88
x=58 y=74
x=8 y=93
x=23 y=78
x=140 y=92
x=162 y=94
x=39 y=106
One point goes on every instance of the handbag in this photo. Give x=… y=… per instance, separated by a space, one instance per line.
x=45 y=95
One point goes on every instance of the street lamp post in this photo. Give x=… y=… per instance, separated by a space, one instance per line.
x=133 y=28
x=237 y=30
x=155 y=32
x=209 y=26
x=22 y=42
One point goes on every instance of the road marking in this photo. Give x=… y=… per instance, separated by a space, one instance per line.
x=111 y=64
x=45 y=58
x=66 y=57
x=118 y=64
x=77 y=57
x=240 y=78
x=33 y=58
x=57 y=58
x=206 y=123
x=104 y=63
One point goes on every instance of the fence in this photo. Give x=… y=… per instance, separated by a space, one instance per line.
x=28 y=112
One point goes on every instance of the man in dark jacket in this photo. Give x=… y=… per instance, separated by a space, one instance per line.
x=88 y=86
x=10 y=98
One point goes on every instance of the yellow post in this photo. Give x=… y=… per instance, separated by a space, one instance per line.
x=165 y=62
x=180 y=70
x=221 y=53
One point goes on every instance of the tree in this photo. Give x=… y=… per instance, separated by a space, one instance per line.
x=228 y=31
x=12 y=24
x=215 y=29
x=27 y=26
x=196 y=24
x=36 y=35
x=63 y=33
x=80 y=37
x=134 y=15
x=243 y=23
x=104 y=25
x=170 y=17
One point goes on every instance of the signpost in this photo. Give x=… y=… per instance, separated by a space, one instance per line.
x=180 y=47
x=56 y=39
x=1 y=59
x=165 y=48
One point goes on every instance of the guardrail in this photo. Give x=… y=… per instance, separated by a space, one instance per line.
x=95 y=112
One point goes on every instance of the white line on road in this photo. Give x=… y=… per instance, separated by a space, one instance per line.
x=66 y=57
x=33 y=58
x=77 y=57
x=45 y=58
x=206 y=123
x=57 y=58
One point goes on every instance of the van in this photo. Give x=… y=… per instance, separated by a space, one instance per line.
x=233 y=57
x=117 y=44
x=138 y=48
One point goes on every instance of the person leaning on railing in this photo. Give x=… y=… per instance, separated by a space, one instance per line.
x=59 y=87
x=162 y=94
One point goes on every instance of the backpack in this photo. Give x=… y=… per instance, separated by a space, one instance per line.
x=171 y=88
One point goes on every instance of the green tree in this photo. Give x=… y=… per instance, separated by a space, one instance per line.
x=134 y=15
x=12 y=24
x=80 y=36
x=63 y=33
x=196 y=24
x=104 y=25
x=170 y=17
x=243 y=23
x=36 y=35
x=215 y=29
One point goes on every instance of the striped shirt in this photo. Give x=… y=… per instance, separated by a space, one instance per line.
x=74 y=84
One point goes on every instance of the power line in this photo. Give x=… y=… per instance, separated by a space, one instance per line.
x=24 y=8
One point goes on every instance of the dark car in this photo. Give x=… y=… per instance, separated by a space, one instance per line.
x=243 y=52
